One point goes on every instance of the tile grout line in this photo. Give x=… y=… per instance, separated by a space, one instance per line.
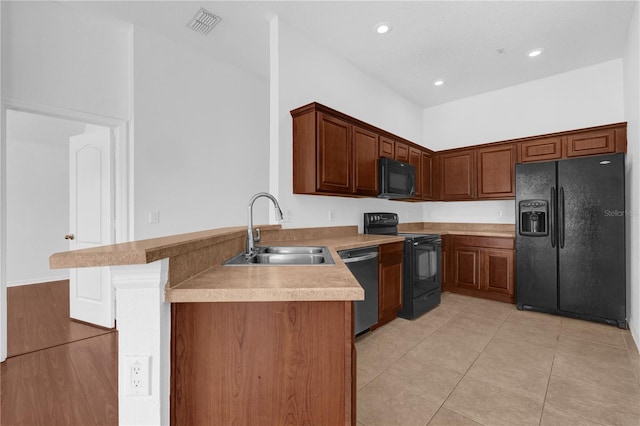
x=546 y=391
x=465 y=375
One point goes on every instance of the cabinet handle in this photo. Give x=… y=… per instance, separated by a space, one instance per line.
x=561 y=220
x=551 y=214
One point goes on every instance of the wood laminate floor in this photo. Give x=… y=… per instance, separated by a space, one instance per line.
x=59 y=372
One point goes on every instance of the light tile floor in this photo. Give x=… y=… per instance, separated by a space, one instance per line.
x=477 y=362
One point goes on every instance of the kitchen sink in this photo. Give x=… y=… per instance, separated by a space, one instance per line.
x=282 y=255
x=293 y=250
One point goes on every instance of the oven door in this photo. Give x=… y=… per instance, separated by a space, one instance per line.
x=425 y=267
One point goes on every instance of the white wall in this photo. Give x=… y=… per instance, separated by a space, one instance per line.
x=631 y=62
x=308 y=73
x=53 y=59
x=201 y=139
x=37 y=210
x=56 y=57
x=585 y=97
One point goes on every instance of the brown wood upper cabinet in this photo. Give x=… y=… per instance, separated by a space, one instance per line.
x=599 y=140
x=458 y=175
x=387 y=147
x=415 y=159
x=365 y=161
x=332 y=156
x=402 y=152
x=542 y=149
x=496 y=171
x=595 y=142
x=426 y=176
x=334 y=161
x=335 y=154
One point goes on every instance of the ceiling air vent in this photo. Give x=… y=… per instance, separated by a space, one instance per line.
x=203 y=21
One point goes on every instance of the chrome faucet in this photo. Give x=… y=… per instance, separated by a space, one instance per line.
x=251 y=239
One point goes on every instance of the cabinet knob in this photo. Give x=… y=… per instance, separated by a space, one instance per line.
x=69 y=237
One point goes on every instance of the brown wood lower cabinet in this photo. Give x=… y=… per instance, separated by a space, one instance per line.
x=263 y=363
x=480 y=266
x=389 y=282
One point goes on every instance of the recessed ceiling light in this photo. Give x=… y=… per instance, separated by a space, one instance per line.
x=535 y=52
x=438 y=82
x=383 y=27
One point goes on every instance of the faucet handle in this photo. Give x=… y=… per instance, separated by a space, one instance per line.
x=257 y=237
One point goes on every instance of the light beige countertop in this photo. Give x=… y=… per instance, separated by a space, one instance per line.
x=475 y=229
x=197 y=273
x=223 y=283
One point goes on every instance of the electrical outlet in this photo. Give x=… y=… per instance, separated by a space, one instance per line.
x=286 y=216
x=137 y=381
x=332 y=215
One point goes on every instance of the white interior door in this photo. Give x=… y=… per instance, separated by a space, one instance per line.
x=91 y=224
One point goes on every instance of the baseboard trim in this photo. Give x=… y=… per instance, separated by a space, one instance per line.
x=43 y=280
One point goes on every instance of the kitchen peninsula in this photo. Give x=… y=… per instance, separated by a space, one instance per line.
x=243 y=344
x=233 y=344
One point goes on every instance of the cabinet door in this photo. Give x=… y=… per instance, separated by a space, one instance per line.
x=334 y=155
x=497 y=271
x=466 y=267
x=415 y=158
x=387 y=147
x=457 y=175
x=543 y=149
x=591 y=143
x=389 y=282
x=365 y=162
x=402 y=152
x=426 y=179
x=496 y=172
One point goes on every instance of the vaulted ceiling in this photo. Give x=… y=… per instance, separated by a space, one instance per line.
x=474 y=46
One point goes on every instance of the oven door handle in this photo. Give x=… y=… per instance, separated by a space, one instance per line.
x=425 y=243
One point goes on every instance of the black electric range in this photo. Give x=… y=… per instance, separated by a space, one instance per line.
x=421 y=274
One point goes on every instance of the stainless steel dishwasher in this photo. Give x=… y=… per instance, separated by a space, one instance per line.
x=363 y=264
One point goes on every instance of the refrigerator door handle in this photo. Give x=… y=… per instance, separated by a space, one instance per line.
x=552 y=224
x=561 y=218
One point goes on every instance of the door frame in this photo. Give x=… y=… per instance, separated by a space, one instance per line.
x=123 y=183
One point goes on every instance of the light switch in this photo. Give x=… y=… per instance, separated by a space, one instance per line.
x=154 y=216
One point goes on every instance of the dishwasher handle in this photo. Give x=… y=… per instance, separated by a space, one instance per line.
x=360 y=258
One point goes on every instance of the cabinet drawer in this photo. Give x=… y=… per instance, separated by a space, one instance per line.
x=391 y=252
x=484 y=242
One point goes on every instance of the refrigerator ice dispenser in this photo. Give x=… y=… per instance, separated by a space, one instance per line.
x=534 y=215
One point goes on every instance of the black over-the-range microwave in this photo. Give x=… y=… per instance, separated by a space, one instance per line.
x=397 y=179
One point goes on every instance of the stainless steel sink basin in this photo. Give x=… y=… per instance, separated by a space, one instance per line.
x=276 y=255
x=293 y=250
x=289 y=259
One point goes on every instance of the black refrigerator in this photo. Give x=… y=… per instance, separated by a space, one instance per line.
x=570 y=238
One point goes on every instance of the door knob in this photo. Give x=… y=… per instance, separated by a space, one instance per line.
x=69 y=237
